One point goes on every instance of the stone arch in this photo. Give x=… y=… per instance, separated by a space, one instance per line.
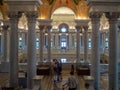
x=63 y=25
x=54 y=9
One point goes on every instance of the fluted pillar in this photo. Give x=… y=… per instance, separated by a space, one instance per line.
x=70 y=41
x=31 y=53
x=49 y=43
x=41 y=27
x=78 y=28
x=5 y=32
x=85 y=43
x=95 y=68
x=113 y=50
x=14 y=18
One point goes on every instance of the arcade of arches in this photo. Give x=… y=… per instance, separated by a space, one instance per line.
x=80 y=32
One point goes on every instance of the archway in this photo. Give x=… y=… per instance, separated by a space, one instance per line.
x=63 y=30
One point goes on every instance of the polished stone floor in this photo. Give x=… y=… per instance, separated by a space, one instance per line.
x=48 y=83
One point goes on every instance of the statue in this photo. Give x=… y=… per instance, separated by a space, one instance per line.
x=4 y=8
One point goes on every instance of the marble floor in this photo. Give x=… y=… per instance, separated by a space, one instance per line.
x=50 y=83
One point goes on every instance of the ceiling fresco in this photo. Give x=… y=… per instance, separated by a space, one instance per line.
x=79 y=7
x=47 y=8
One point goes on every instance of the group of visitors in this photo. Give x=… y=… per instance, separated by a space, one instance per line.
x=57 y=67
x=72 y=82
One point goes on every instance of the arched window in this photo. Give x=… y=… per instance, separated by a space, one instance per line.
x=106 y=43
x=63 y=36
x=37 y=43
x=63 y=60
x=89 y=43
x=20 y=43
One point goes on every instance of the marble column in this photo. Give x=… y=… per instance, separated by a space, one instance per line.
x=23 y=41
x=31 y=52
x=78 y=28
x=85 y=43
x=41 y=27
x=95 y=68
x=5 y=65
x=49 y=43
x=70 y=41
x=5 y=32
x=57 y=41
x=113 y=50
x=14 y=18
x=103 y=42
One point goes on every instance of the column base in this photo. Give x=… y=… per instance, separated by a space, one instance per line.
x=40 y=63
x=5 y=66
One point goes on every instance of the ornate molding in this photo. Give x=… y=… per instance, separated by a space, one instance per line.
x=78 y=28
x=49 y=27
x=5 y=27
x=95 y=16
x=41 y=27
x=112 y=16
x=31 y=14
x=85 y=27
x=14 y=15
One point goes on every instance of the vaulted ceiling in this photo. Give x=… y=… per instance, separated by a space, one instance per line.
x=47 y=8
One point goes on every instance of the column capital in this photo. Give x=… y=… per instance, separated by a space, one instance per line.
x=78 y=28
x=85 y=27
x=31 y=14
x=49 y=27
x=5 y=27
x=95 y=16
x=6 y=22
x=112 y=16
x=14 y=14
x=41 y=27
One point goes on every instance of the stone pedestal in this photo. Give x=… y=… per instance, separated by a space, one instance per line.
x=5 y=67
x=90 y=81
x=37 y=82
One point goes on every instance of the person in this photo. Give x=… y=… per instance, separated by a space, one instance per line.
x=72 y=82
x=72 y=68
x=87 y=86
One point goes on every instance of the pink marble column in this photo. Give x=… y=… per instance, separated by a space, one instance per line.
x=41 y=40
x=85 y=43
x=113 y=50
x=5 y=32
x=49 y=43
x=78 y=28
x=31 y=53
x=95 y=68
x=14 y=18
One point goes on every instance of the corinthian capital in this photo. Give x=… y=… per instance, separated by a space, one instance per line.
x=95 y=14
x=112 y=15
x=49 y=27
x=14 y=14
x=5 y=27
x=78 y=28
x=41 y=27
x=31 y=14
x=6 y=23
x=85 y=27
